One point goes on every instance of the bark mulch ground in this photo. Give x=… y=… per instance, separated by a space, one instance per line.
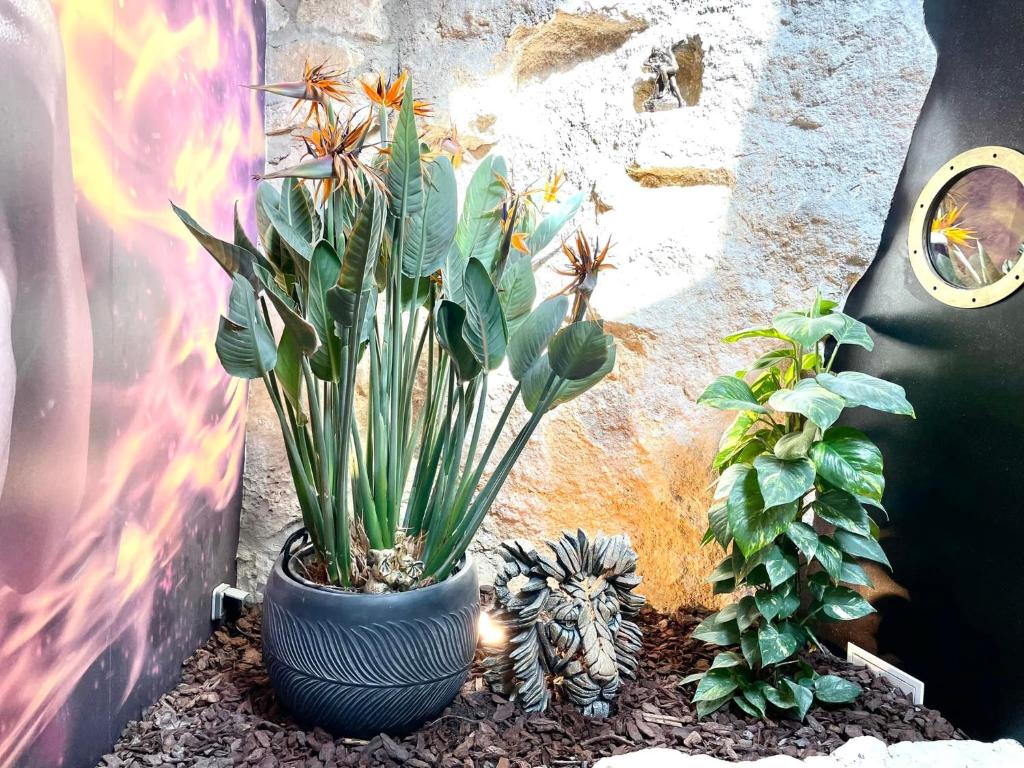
x=224 y=713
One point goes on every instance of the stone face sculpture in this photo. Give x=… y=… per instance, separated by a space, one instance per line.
x=567 y=620
x=662 y=63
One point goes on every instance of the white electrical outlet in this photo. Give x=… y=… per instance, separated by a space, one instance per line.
x=907 y=683
x=222 y=593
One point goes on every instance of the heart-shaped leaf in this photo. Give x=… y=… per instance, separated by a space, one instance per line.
x=810 y=399
x=729 y=393
x=783 y=481
x=846 y=459
x=752 y=525
x=842 y=510
x=860 y=389
x=832 y=689
x=805 y=330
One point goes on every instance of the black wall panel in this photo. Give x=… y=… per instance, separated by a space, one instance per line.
x=955 y=497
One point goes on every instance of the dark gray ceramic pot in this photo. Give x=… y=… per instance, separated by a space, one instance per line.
x=358 y=665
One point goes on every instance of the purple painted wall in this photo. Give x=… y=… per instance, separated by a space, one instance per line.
x=120 y=437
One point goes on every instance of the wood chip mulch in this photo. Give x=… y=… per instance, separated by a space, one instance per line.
x=224 y=713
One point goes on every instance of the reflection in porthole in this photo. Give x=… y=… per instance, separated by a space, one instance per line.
x=976 y=232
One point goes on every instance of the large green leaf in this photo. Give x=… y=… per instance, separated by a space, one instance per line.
x=775 y=646
x=353 y=290
x=809 y=399
x=831 y=559
x=717 y=632
x=783 y=481
x=578 y=350
x=752 y=525
x=846 y=459
x=533 y=336
x=729 y=393
x=861 y=389
x=853 y=332
x=289 y=370
x=245 y=344
x=404 y=177
x=431 y=230
x=802 y=697
x=551 y=224
x=861 y=546
x=852 y=573
x=715 y=684
x=304 y=334
x=232 y=258
x=323 y=276
x=804 y=537
x=805 y=330
x=517 y=291
x=718 y=523
x=293 y=238
x=538 y=374
x=453 y=274
x=832 y=689
x=778 y=564
x=450 y=324
x=777 y=603
x=843 y=604
x=842 y=510
x=485 y=330
x=297 y=206
x=479 y=230
x=573 y=388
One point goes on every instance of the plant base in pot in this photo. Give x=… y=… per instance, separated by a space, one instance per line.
x=357 y=664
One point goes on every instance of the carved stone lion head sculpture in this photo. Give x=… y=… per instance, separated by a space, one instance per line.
x=567 y=619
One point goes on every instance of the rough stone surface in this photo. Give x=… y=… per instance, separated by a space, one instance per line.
x=862 y=752
x=807 y=107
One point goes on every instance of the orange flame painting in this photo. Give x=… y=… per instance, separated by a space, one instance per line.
x=119 y=506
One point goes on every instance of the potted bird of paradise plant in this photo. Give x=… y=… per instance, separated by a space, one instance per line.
x=395 y=311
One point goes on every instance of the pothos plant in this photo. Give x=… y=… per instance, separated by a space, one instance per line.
x=783 y=466
x=395 y=310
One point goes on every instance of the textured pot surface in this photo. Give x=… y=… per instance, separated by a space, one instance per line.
x=358 y=665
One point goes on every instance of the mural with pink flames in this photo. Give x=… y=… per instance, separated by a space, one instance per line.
x=114 y=529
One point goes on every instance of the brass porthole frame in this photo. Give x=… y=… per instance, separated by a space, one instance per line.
x=920 y=222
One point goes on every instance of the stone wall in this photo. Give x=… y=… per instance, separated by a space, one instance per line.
x=773 y=178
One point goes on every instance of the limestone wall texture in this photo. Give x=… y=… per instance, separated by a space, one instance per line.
x=773 y=178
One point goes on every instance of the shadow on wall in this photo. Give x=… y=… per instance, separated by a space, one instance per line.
x=954 y=473
x=119 y=507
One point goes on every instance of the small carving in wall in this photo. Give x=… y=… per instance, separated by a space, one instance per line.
x=678 y=77
x=567 y=622
x=662 y=64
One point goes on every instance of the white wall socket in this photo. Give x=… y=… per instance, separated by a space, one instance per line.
x=907 y=683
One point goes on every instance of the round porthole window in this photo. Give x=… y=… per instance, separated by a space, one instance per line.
x=967 y=229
